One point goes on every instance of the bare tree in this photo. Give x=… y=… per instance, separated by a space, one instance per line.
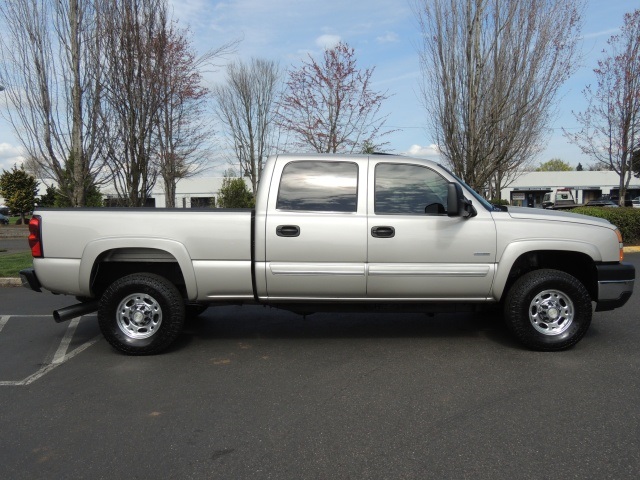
x=54 y=85
x=491 y=72
x=610 y=131
x=183 y=130
x=245 y=105
x=330 y=106
x=135 y=44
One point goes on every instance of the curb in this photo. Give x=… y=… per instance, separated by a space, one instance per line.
x=16 y=282
x=10 y=282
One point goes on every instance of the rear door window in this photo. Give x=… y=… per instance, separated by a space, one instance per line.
x=319 y=186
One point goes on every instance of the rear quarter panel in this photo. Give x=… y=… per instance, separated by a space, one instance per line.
x=203 y=242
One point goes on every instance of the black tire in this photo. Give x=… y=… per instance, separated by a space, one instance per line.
x=141 y=314
x=548 y=310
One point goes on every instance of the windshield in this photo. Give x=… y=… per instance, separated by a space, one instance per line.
x=476 y=195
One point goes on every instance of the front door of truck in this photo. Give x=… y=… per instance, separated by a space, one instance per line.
x=315 y=237
x=415 y=250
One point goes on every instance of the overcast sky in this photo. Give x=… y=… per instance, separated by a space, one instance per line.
x=384 y=34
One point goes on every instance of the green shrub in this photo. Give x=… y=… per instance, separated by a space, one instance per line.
x=234 y=193
x=626 y=219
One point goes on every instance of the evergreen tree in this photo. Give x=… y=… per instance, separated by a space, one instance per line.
x=48 y=200
x=234 y=193
x=19 y=190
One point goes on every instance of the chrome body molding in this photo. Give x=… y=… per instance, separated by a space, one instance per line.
x=409 y=270
x=316 y=269
x=392 y=300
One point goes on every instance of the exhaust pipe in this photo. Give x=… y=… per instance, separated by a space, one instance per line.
x=73 y=311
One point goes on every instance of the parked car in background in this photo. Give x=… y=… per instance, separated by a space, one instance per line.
x=560 y=199
x=636 y=202
x=4 y=220
x=602 y=203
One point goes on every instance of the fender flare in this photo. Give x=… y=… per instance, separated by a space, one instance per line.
x=516 y=249
x=96 y=248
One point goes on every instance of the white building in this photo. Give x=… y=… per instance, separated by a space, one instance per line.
x=529 y=188
x=197 y=192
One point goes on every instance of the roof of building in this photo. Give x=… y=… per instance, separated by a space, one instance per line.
x=571 y=179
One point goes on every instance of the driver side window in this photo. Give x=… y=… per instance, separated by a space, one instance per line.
x=402 y=189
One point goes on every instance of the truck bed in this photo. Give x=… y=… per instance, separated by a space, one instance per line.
x=79 y=236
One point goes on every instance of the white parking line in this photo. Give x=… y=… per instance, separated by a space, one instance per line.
x=66 y=340
x=61 y=355
x=3 y=320
x=47 y=368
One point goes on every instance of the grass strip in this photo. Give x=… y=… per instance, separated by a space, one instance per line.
x=11 y=264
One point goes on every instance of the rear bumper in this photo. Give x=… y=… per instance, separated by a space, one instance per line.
x=30 y=279
x=615 y=285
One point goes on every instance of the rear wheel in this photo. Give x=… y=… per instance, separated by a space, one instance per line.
x=548 y=310
x=141 y=314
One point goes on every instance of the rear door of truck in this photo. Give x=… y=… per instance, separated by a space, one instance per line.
x=316 y=229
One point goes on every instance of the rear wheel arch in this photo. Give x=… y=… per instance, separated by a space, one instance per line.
x=164 y=257
x=107 y=272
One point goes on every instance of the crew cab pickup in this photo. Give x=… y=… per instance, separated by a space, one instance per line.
x=329 y=233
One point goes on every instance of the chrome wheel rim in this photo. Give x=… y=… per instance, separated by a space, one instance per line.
x=551 y=312
x=139 y=316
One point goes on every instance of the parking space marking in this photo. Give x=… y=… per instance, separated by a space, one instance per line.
x=60 y=357
x=47 y=368
x=66 y=340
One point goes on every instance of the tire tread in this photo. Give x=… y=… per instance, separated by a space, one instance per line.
x=517 y=304
x=173 y=317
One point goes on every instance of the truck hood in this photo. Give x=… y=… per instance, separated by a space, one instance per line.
x=556 y=216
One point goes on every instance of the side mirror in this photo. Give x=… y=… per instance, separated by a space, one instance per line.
x=457 y=204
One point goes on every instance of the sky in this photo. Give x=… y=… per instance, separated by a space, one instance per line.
x=385 y=35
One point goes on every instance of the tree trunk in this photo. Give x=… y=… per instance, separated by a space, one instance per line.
x=77 y=154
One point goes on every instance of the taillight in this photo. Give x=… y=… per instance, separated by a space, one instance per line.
x=35 y=238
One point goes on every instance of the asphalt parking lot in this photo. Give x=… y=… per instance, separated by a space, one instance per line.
x=250 y=392
x=13 y=245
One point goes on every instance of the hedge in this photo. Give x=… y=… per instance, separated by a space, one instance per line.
x=627 y=219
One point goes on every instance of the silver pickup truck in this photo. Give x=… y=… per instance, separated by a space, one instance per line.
x=333 y=233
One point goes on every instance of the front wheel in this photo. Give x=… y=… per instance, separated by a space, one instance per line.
x=548 y=310
x=141 y=314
